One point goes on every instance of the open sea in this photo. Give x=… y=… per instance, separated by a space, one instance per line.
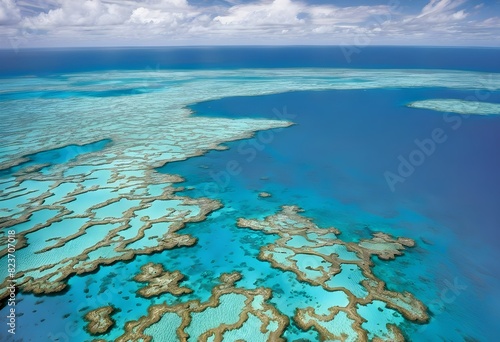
x=346 y=160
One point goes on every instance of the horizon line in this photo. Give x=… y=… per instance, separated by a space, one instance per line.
x=248 y=46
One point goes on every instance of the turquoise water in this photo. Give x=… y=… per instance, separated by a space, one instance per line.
x=55 y=156
x=350 y=127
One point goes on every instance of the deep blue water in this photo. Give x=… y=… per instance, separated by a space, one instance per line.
x=50 y=61
x=345 y=140
x=332 y=163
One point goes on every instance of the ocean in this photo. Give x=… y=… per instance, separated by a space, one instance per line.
x=92 y=137
x=60 y=60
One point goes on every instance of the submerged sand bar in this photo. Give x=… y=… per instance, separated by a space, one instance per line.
x=458 y=106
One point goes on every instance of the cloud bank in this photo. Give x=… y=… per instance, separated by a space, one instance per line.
x=27 y=23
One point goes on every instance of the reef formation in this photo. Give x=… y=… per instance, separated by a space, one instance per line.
x=160 y=281
x=100 y=321
x=228 y=314
x=318 y=257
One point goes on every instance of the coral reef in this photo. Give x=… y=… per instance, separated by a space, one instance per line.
x=160 y=281
x=199 y=323
x=316 y=255
x=100 y=321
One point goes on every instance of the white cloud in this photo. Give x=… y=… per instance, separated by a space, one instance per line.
x=9 y=12
x=298 y=22
x=442 y=11
x=277 y=12
x=172 y=13
x=156 y=22
x=440 y=22
x=294 y=16
x=79 y=13
x=491 y=23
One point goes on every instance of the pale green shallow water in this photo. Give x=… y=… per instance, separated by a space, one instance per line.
x=350 y=277
x=458 y=106
x=227 y=312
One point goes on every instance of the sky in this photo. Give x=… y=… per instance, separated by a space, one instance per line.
x=64 y=23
